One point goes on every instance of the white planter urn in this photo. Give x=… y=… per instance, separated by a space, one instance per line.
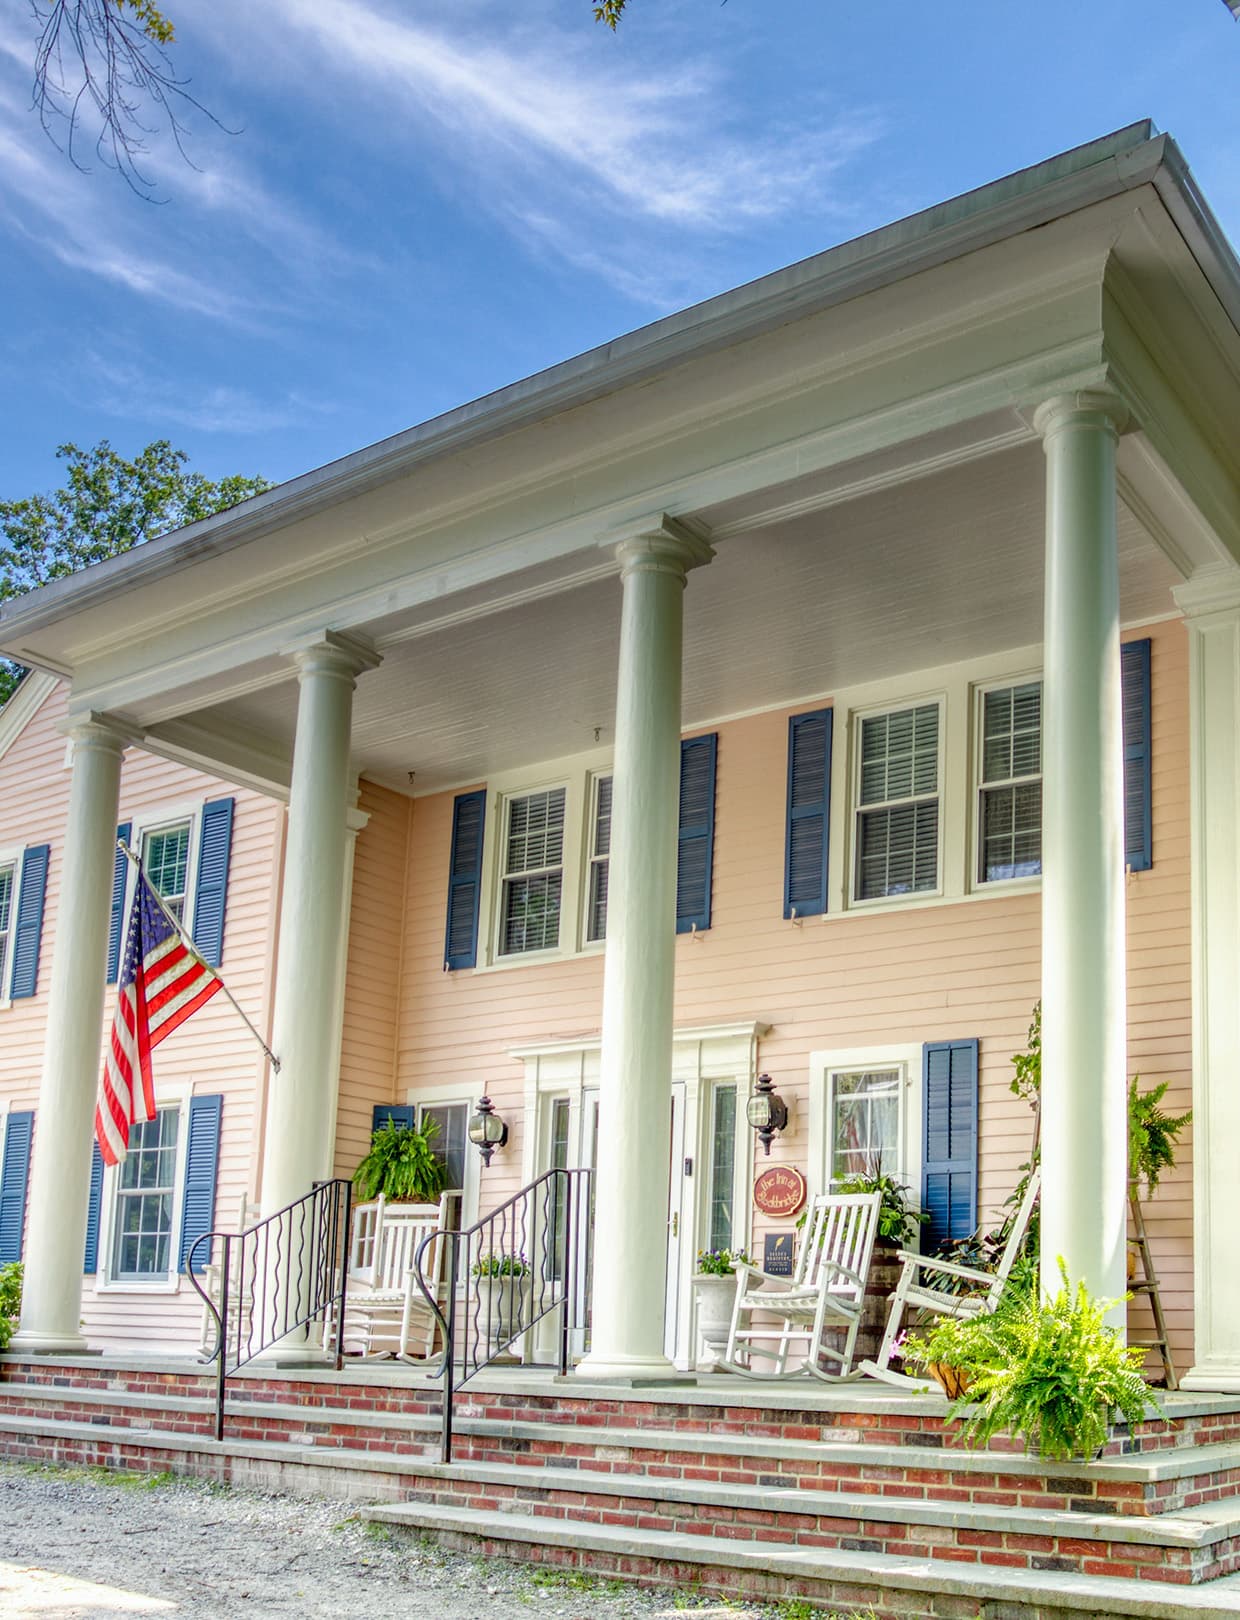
x=500 y=1312
x=715 y=1297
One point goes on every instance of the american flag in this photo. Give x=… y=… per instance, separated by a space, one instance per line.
x=162 y=982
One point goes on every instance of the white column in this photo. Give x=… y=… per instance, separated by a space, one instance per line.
x=301 y=1103
x=1084 y=1113
x=64 y=1122
x=635 y=1098
x=1212 y=602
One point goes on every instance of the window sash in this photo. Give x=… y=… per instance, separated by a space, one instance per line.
x=145 y=1201
x=532 y=881
x=720 y=1222
x=165 y=860
x=600 y=860
x=451 y=1143
x=8 y=889
x=1009 y=792
x=898 y=793
x=864 y=1123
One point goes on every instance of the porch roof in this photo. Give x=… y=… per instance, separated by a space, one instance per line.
x=852 y=432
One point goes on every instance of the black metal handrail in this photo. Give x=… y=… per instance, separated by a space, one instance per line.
x=522 y=1262
x=284 y=1273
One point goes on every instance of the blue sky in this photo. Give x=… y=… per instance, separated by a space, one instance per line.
x=426 y=199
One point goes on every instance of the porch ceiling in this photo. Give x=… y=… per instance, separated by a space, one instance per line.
x=942 y=569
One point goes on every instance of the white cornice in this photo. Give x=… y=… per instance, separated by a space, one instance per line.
x=747 y=1030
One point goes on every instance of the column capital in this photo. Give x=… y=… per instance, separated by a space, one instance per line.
x=86 y=728
x=660 y=545
x=333 y=652
x=1210 y=590
x=1097 y=408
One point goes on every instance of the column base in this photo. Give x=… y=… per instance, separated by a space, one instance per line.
x=1220 y=1379
x=630 y=1369
x=30 y=1342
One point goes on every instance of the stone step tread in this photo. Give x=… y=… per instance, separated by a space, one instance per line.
x=1193 y=1527
x=1101 y=1595
x=1169 y=1462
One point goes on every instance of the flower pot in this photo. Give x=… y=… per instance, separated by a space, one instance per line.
x=715 y=1297
x=953 y=1381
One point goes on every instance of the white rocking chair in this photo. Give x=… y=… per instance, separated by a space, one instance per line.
x=917 y=1290
x=826 y=1292
x=212 y=1280
x=385 y=1313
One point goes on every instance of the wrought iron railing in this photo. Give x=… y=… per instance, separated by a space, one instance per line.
x=282 y=1276
x=517 y=1267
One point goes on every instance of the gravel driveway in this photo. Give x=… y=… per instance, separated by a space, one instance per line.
x=84 y=1545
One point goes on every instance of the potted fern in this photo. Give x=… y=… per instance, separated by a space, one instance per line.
x=401 y=1166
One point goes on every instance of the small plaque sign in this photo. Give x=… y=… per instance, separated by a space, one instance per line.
x=777 y=1254
x=779 y=1190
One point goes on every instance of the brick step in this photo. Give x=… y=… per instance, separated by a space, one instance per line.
x=1140 y=1484
x=897 y=1587
x=1180 y=1548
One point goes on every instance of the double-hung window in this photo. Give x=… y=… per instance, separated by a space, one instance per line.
x=165 y=858
x=532 y=879
x=142 y=1247
x=898 y=795
x=8 y=911
x=600 y=859
x=863 y=1123
x=1009 y=794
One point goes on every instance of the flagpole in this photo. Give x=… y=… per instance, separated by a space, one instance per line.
x=193 y=950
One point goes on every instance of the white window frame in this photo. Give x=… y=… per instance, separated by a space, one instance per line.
x=452 y=1096
x=13 y=856
x=591 y=860
x=978 y=882
x=174 y=1097
x=857 y=718
x=824 y=1066
x=159 y=819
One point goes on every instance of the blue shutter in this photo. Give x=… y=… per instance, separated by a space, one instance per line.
x=90 y=1261
x=809 y=791
x=211 y=894
x=14 y=1174
x=465 y=879
x=949 y=1162
x=29 y=932
x=1134 y=666
x=695 y=852
x=117 y=924
x=392 y=1114
x=201 y=1163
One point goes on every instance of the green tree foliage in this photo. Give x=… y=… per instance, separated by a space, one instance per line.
x=107 y=505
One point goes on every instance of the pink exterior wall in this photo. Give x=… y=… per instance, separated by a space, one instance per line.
x=211 y=1053
x=912 y=974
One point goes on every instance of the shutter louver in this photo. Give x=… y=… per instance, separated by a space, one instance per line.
x=201 y=1165
x=949 y=1102
x=465 y=880
x=117 y=923
x=696 y=845
x=809 y=788
x=393 y=1114
x=14 y=1178
x=28 y=934
x=211 y=893
x=1138 y=806
x=90 y=1260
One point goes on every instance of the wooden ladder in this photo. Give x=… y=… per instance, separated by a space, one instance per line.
x=1146 y=1283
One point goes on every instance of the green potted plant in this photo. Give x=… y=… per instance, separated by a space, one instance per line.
x=714 y=1287
x=401 y=1165
x=10 y=1300
x=500 y=1282
x=898 y=1217
x=1049 y=1372
x=1151 y=1135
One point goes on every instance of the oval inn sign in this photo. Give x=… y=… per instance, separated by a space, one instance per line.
x=780 y=1190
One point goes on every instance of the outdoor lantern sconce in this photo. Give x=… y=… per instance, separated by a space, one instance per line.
x=766 y=1111
x=487 y=1131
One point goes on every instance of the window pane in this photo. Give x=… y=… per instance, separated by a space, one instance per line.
x=144 y=1198
x=900 y=754
x=165 y=856
x=531 y=920
x=1012 y=732
x=450 y=1142
x=600 y=848
x=722 y=1167
x=535 y=832
x=1011 y=832
x=898 y=850
x=865 y=1126
x=6 y=912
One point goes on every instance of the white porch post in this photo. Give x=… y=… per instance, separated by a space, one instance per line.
x=64 y=1122
x=301 y=1105
x=1084 y=1115
x=1212 y=604
x=635 y=1097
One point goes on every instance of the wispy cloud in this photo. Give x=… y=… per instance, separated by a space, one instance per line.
x=140 y=393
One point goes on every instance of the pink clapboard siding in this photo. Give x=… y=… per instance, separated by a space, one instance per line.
x=211 y=1053
x=912 y=974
